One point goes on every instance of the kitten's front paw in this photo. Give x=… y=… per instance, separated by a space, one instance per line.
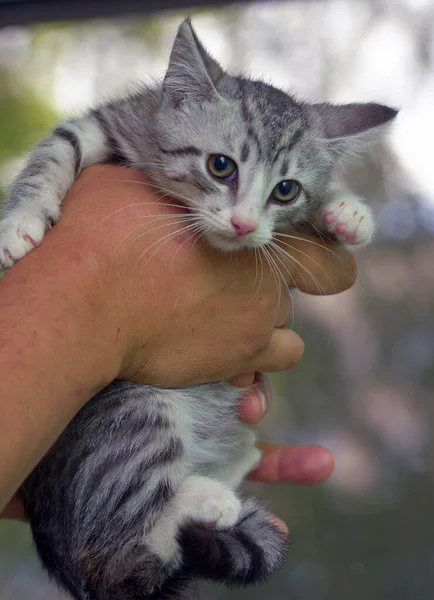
x=18 y=235
x=349 y=221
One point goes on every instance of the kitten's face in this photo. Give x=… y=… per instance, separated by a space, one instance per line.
x=246 y=166
x=247 y=158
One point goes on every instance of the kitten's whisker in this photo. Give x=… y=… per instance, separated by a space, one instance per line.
x=197 y=209
x=333 y=315
x=168 y=216
x=294 y=262
x=256 y=264
x=314 y=261
x=171 y=193
x=195 y=230
x=275 y=276
x=288 y=256
x=276 y=257
x=320 y=234
x=160 y=188
x=261 y=264
x=256 y=274
x=186 y=219
x=122 y=209
x=272 y=266
x=272 y=248
x=323 y=236
x=143 y=204
x=166 y=238
x=300 y=239
x=163 y=241
x=143 y=233
x=320 y=288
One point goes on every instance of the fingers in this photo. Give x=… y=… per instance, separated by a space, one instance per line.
x=284 y=352
x=256 y=400
x=244 y=380
x=305 y=465
x=320 y=267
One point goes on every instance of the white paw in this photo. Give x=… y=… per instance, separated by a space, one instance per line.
x=213 y=503
x=349 y=221
x=18 y=235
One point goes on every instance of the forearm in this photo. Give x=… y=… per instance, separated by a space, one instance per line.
x=52 y=337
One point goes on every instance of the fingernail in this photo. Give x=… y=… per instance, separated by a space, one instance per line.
x=263 y=400
x=262 y=387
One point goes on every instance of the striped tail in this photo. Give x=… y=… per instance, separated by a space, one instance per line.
x=246 y=553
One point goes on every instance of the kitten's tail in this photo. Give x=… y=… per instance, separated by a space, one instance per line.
x=243 y=554
x=246 y=553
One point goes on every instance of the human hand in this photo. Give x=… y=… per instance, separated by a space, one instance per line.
x=178 y=315
x=89 y=306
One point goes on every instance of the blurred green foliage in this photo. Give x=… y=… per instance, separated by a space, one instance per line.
x=24 y=119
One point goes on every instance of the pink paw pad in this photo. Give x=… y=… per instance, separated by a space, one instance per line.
x=329 y=218
x=340 y=228
x=210 y=524
x=31 y=241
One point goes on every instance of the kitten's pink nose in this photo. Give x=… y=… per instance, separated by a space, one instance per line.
x=242 y=227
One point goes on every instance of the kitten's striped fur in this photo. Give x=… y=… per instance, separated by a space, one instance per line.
x=137 y=497
x=117 y=505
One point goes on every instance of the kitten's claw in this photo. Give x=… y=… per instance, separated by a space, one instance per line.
x=349 y=221
x=19 y=235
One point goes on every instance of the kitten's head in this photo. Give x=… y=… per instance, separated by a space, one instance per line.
x=246 y=157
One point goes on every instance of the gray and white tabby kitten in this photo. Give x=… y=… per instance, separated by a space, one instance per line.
x=137 y=497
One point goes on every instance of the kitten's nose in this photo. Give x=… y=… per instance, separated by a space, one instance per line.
x=242 y=227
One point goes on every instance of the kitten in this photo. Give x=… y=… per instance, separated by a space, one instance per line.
x=137 y=496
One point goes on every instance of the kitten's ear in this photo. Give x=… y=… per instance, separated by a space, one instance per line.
x=352 y=127
x=192 y=73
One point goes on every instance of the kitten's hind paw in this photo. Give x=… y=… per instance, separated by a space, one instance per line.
x=18 y=235
x=245 y=554
x=349 y=221
x=212 y=502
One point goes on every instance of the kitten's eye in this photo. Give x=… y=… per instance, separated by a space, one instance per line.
x=222 y=166
x=286 y=191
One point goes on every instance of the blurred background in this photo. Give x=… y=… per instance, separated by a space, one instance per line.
x=365 y=387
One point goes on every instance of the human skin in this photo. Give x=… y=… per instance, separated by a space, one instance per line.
x=88 y=306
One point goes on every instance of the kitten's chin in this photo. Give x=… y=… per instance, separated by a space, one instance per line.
x=227 y=244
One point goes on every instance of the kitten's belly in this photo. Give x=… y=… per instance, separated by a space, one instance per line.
x=215 y=433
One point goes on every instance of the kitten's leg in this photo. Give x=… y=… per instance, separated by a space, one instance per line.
x=34 y=200
x=199 y=499
x=347 y=218
x=248 y=457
